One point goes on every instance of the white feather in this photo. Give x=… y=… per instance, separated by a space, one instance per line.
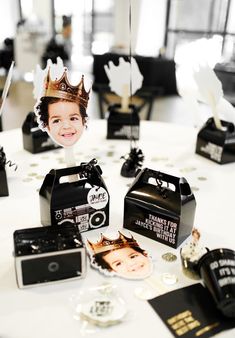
x=209 y=89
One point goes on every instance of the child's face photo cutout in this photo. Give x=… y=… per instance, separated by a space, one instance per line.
x=65 y=123
x=122 y=257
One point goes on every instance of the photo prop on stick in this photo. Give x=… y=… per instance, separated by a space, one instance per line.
x=61 y=106
x=121 y=256
x=6 y=87
x=120 y=77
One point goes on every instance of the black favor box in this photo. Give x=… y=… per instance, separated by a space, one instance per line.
x=3 y=177
x=217 y=145
x=84 y=202
x=123 y=125
x=160 y=206
x=34 y=139
x=46 y=255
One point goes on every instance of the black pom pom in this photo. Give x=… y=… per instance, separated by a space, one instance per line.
x=133 y=161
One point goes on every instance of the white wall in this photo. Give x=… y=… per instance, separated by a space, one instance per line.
x=151 y=28
x=9 y=16
x=147 y=29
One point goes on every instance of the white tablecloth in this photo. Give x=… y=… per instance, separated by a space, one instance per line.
x=47 y=311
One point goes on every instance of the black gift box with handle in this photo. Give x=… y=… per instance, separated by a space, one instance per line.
x=217 y=145
x=160 y=206
x=123 y=125
x=34 y=139
x=84 y=201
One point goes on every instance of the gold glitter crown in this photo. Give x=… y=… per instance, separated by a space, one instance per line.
x=62 y=89
x=106 y=244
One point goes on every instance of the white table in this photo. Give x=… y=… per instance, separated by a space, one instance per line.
x=46 y=311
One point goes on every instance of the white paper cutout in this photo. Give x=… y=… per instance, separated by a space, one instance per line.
x=202 y=85
x=210 y=90
x=56 y=71
x=187 y=89
x=126 y=260
x=6 y=87
x=120 y=77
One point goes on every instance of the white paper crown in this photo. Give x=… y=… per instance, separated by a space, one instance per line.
x=56 y=71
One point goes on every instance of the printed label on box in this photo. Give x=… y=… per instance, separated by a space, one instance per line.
x=163 y=229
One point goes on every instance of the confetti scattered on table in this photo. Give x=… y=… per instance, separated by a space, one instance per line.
x=169 y=257
x=32 y=174
x=187 y=169
x=28 y=179
x=202 y=178
x=169 y=278
x=160 y=158
x=110 y=154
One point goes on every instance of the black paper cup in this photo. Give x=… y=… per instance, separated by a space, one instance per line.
x=217 y=270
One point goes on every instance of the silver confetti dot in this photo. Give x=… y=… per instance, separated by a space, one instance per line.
x=169 y=257
x=32 y=174
x=28 y=179
x=169 y=278
x=194 y=188
x=159 y=158
x=187 y=169
x=202 y=178
x=33 y=164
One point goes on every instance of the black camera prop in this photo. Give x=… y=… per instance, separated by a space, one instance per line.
x=84 y=202
x=3 y=177
x=34 y=139
x=160 y=206
x=123 y=125
x=46 y=255
x=215 y=144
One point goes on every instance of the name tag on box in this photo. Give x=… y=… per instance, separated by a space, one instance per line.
x=160 y=206
x=46 y=255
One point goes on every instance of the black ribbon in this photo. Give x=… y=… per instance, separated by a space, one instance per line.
x=162 y=190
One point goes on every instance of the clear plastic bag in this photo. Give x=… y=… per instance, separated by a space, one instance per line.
x=98 y=307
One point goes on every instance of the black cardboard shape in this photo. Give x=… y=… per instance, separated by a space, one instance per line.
x=68 y=201
x=48 y=255
x=3 y=177
x=161 y=214
x=121 y=125
x=190 y=312
x=217 y=145
x=217 y=270
x=34 y=139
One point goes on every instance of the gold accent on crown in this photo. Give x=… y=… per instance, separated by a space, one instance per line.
x=106 y=244
x=62 y=89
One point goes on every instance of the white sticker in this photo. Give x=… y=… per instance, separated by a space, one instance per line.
x=97 y=197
